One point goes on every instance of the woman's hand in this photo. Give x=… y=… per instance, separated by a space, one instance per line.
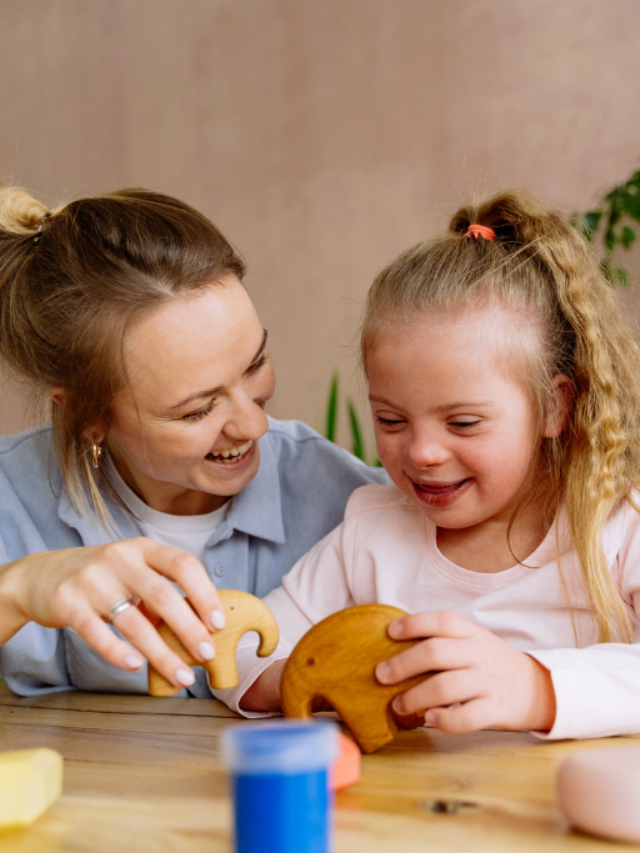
x=77 y=588
x=479 y=681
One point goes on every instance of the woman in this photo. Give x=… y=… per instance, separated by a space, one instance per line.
x=160 y=469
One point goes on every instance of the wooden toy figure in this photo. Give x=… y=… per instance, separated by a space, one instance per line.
x=244 y=612
x=336 y=659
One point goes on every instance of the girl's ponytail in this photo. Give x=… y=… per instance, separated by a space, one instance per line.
x=538 y=264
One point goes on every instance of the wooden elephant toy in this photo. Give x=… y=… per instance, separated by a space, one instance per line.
x=336 y=659
x=244 y=612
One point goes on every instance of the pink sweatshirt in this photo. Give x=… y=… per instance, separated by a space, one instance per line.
x=385 y=551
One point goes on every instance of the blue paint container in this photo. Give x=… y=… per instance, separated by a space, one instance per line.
x=280 y=784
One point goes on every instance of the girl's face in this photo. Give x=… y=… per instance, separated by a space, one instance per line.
x=455 y=432
x=184 y=434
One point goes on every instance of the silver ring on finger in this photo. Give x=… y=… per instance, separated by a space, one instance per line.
x=119 y=607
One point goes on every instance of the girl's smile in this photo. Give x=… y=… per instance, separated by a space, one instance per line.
x=441 y=494
x=456 y=430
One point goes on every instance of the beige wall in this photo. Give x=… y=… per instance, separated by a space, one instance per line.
x=322 y=137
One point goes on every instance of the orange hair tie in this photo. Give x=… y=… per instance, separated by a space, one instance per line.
x=480 y=231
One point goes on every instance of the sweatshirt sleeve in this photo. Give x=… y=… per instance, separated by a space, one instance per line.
x=314 y=588
x=597 y=688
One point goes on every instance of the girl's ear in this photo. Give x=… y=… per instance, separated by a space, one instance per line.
x=563 y=395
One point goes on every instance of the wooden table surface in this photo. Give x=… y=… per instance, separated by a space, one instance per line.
x=144 y=774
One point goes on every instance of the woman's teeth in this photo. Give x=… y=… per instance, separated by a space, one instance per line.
x=232 y=453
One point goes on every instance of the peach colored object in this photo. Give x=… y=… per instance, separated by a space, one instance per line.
x=483 y=231
x=599 y=791
x=345 y=770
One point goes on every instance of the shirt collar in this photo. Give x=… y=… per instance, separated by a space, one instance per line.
x=257 y=509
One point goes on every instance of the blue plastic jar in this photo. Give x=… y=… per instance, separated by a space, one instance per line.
x=280 y=785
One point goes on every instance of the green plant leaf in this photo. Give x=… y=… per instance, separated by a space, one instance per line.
x=627 y=236
x=591 y=220
x=357 y=442
x=331 y=418
x=621 y=275
x=609 y=239
x=632 y=205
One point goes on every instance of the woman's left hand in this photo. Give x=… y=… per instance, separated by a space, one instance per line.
x=473 y=679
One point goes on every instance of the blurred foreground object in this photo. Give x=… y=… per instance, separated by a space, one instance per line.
x=30 y=781
x=599 y=791
x=280 y=785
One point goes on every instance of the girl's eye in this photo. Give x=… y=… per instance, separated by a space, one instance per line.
x=389 y=421
x=463 y=424
x=196 y=416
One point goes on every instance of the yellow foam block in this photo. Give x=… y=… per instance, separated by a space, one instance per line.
x=30 y=781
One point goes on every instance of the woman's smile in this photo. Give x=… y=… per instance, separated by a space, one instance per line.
x=233 y=456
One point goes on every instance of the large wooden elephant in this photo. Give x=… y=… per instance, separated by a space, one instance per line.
x=244 y=612
x=336 y=659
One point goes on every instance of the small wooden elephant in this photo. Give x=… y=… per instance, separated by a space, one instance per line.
x=244 y=612
x=336 y=659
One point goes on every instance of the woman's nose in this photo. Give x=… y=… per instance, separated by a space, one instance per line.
x=246 y=419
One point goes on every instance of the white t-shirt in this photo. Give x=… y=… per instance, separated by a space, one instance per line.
x=190 y=533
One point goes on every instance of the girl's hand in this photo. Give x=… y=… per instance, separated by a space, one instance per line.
x=77 y=588
x=488 y=682
x=264 y=693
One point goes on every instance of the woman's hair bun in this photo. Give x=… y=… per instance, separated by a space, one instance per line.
x=20 y=213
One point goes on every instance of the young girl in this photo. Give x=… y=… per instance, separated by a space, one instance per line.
x=505 y=392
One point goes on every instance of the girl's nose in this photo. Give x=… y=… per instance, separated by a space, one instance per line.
x=424 y=453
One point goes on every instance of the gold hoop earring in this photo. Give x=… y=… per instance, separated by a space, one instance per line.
x=96 y=454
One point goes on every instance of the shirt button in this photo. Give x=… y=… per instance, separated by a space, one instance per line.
x=219 y=571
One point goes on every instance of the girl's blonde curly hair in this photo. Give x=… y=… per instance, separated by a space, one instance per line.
x=569 y=323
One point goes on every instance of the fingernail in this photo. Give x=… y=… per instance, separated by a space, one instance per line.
x=383 y=671
x=185 y=677
x=206 y=651
x=217 y=619
x=395 y=630
x=430 y=718
x=133 y=662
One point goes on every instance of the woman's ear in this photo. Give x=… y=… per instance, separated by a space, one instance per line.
x=564 y=393
x=59 y=395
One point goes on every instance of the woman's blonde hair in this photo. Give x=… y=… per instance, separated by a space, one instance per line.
x=73 y=280
x=540 y=268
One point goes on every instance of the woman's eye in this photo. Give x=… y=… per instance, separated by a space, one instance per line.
x=258 y=364
x=196 y=416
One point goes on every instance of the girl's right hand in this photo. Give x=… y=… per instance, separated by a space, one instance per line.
x=77 y=587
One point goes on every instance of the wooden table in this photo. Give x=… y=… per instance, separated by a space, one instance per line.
x=144 y=774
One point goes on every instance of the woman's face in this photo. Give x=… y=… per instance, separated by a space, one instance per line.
x=184 y=433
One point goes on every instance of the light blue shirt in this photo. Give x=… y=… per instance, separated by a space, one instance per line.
x=296 y=498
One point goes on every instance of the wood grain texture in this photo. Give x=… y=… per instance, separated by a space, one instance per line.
x=244 y=612
x=335 y=660
x=139 y=780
